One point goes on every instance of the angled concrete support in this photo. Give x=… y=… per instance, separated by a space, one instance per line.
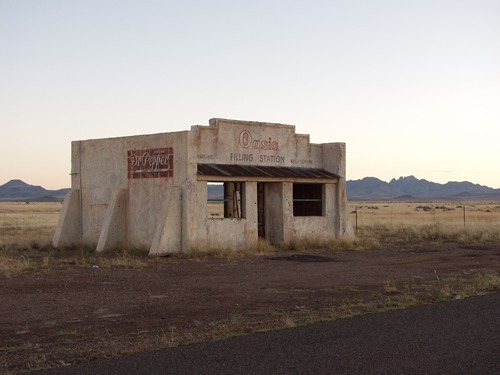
x=68 y=231
x=114 y=230
x=168 y=233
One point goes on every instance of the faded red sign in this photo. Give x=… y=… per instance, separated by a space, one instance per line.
x=246 y=140
x=151 y=163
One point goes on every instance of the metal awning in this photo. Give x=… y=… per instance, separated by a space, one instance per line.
x=236 y=170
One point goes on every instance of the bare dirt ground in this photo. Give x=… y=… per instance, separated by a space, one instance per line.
x=70 y=313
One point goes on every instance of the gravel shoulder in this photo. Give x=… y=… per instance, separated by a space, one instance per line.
x=457 y=337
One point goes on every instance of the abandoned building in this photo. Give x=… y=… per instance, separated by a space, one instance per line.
x=223 y=185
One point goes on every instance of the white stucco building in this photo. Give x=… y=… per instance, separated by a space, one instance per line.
x=162 y=191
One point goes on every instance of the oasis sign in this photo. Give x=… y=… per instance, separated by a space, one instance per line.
x=246 y=140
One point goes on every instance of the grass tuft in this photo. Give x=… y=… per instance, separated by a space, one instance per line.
x=263 y=247
x=222 y=252
x=200 y=252
x=329 y=244
x=13 y=265
x=390 y=288
x=124 y=260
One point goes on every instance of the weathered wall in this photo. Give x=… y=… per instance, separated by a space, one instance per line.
x=237 y=234
x=168 y=232
x=317 y=227
x=102 y=167
x=275 y=213
x=251 y=224
x=334 y=160
x=255 y=143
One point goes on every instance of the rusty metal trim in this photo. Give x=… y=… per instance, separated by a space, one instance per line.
x=236 y=170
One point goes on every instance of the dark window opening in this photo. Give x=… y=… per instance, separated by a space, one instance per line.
x=307 y=199
x=225 y=200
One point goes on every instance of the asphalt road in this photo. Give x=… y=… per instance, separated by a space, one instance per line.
x=459 y=337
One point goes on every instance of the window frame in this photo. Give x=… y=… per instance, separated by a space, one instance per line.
x=305 y=192
x=238 y=192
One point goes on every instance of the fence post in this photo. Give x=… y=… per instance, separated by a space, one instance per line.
x=464 y=215
x=356 y=210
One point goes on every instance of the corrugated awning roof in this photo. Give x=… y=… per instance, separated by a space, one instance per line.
x=236 y=170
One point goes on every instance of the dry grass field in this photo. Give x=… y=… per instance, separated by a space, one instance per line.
x=463 y=222
x=26 y=231
x=24 y=225
x=449 y=215
x=32 y=225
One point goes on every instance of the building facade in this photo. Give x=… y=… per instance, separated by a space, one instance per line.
x=223 y=185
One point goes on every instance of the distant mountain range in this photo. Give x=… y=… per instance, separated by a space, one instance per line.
x=411 y=188
x=369 y=188
x=17 y=190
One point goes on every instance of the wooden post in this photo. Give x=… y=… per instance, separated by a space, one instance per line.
x=356 y=219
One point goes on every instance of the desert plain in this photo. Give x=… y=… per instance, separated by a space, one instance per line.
x=64 y=306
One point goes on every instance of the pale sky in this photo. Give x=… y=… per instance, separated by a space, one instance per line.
x=412 y=87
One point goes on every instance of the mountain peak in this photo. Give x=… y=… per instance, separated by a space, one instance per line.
x=15 y=183
x=16 y=190
x=404 y=179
